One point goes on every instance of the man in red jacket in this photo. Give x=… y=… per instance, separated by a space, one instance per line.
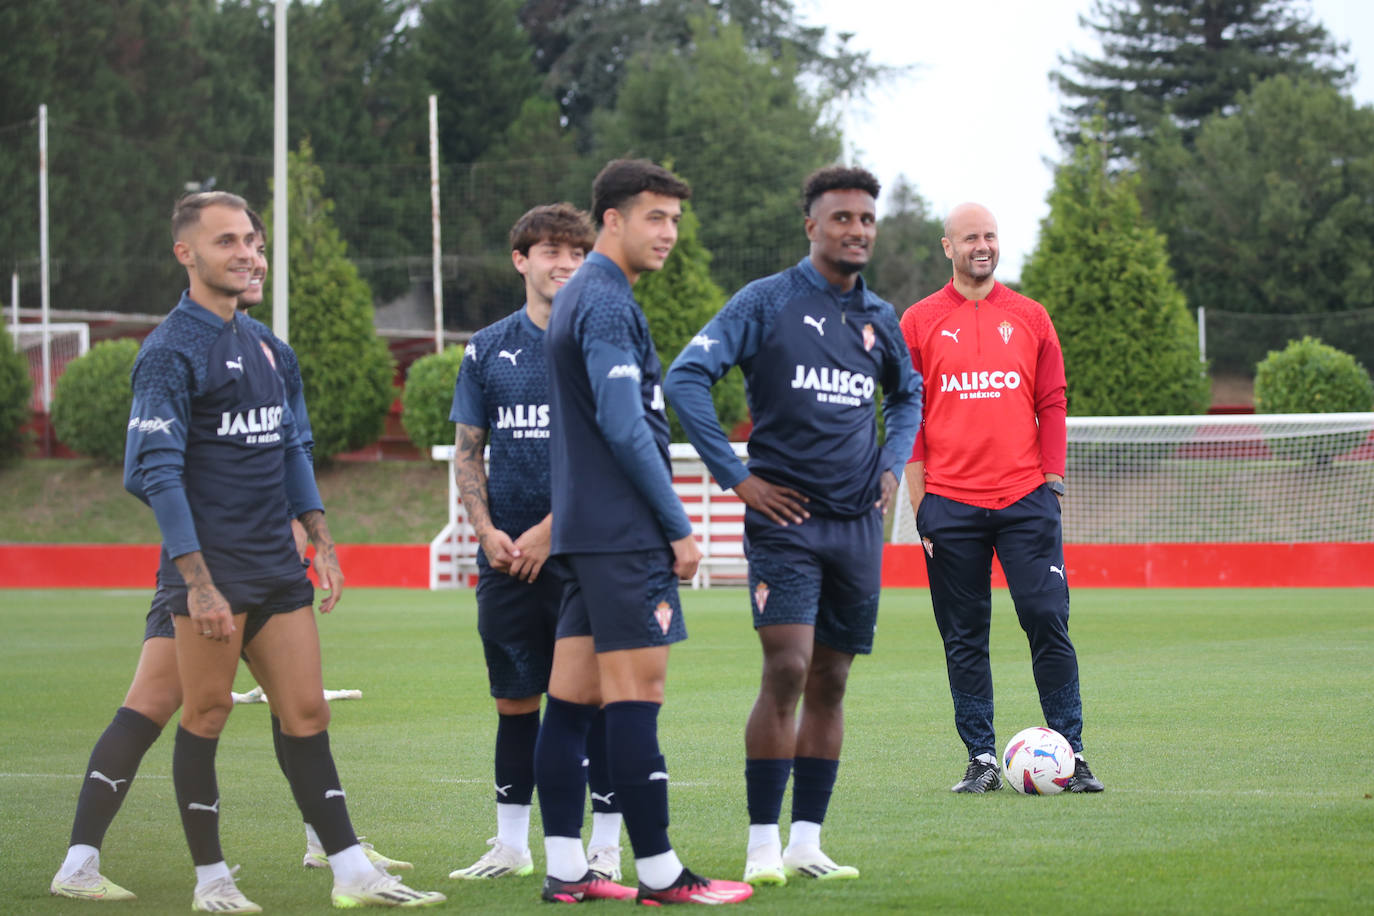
x=987 y=474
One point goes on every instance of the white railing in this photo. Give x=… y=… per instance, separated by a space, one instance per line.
x=717 y=522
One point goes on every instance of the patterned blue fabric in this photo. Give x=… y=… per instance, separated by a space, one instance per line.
x=503 y=386
x=813 y=360
x=212 y=446
x=611 y=483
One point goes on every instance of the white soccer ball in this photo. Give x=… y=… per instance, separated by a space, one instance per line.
x=1038 y=761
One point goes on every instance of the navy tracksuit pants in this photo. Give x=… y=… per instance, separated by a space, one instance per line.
x=1027 y=536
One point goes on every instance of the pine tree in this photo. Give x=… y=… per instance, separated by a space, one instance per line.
x=347 y=369
x=1186 y=59
x=678 y=300
x=1130 y=344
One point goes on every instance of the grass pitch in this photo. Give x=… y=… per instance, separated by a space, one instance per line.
x=1232 y=729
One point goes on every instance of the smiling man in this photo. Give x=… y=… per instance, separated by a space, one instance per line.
x=815 y=344
x=502 y=395
x=626 y=540
x=233 y=579
x=987 y=475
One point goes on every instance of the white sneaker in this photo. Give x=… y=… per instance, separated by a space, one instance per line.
x=315 y=857
x=383 y=890
x=604 y=861
x=763 y=865
x=87 y=883
x=810 y=861
x=222 y=896
x=499 y=862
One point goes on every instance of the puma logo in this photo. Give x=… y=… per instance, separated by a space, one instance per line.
x=114 y=783
x=952 y=334
x=334 y=793
x=234 y=364
x=604 y=799
x=506 y=354
x=503 y=791
x=657 y=775
x=818 y=325
x=197 y=806
x=1057 y=569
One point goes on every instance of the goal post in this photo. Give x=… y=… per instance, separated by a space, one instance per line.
x=1242 y=478
x=66 y=341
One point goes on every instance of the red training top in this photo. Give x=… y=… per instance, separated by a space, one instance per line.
x=994 y=395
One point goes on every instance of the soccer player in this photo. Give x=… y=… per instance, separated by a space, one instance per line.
x=211 y=447
x=502 y=392
x=155 y=693
x=987 y=475
x=815 y=345
x=626 y=540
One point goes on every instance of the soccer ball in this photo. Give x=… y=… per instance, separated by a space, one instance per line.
x=1038 y=761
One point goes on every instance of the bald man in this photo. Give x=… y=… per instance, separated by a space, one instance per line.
x=987 y=475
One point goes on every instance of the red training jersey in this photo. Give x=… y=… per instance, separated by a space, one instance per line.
x=995 y=404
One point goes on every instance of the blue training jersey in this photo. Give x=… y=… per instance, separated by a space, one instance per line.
x=289 y=368
x=610 y=475
x=503 y=386
x=813 y=359
x=212 y=446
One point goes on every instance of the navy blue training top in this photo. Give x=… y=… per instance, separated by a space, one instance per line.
x=813 y=359
x=503 y=386
x=212 y=446
x=610 y=474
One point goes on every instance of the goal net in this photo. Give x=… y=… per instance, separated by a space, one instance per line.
x=1269 y=478
x=66 y=341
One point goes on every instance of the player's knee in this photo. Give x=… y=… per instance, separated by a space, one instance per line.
x=784 y=676
x=308 y=719
x=206 y=716
x=826 y=684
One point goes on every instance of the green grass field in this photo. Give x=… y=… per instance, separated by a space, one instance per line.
x=1232 y=729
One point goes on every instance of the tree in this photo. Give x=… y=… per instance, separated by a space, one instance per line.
x=346 y=368
x=1270 y=212
x=737 y=127
x=477 y=59
x=1184 y=60
x=678 y=300
x=587 y=47
x=15 y=390
x=908 y=260
x=1130 y=345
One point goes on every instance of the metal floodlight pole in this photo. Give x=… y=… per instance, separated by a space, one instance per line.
x=437 y=253
x=281 y=280
x=14 y=306
x=1202 y=333
x=44 y=292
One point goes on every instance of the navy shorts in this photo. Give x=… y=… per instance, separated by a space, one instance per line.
x=622 y=600
x=260 y=599
x=517 y=622
x=825 y=572
x=160 y=616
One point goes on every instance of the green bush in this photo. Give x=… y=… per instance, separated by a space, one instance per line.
x=90 y=407
x=15 y=390
x=1309 y=376
x=427 y=398
x=1099 y=268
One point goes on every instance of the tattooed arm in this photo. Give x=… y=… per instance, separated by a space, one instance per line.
x=326 y=557
x=470 y=471
x=209 y=610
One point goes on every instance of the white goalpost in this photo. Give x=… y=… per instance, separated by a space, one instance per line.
x=66 y=341
x=1242 y=478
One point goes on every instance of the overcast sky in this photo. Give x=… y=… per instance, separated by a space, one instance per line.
x=972 y=120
